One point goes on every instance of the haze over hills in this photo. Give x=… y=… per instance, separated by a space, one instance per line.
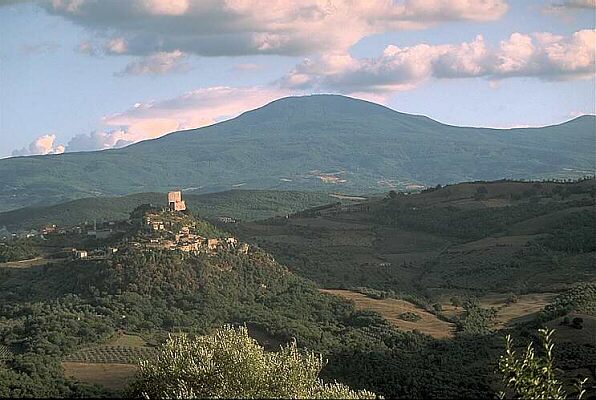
x=319 y=142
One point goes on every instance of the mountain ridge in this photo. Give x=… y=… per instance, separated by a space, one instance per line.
x=318 y=142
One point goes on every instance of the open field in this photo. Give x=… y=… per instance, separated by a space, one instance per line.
x=33 y=262
x=566 y=333
x=523 y=310
x=113 y=376
x=390 y=309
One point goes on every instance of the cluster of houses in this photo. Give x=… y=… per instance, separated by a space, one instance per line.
x=172 y=230
x=166 y=229
x=98 y=231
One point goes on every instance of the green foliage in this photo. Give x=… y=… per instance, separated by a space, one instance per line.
x=532 y=376
x=575 y=234
x=229 y=364
x=476 y=320
x=409 y=316
x=240 y=204
x=17 y=250
x=476 y=223
x=581 y=299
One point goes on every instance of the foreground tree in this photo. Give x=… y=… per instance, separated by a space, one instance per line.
x=230 y=364
x=531 y=376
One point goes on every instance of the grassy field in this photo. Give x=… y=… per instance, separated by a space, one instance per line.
x=114 y=376
x=390 y=309
x=526 y=307
x=566 y=333
x=33 y=262
x=523 y=310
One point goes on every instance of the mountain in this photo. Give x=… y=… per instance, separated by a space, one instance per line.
x=319 y=142
x=239 y=204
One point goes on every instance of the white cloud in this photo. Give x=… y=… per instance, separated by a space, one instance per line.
x=239 y=27
x=540 y=55
x=44 y=144
x=158 y=64
x=99 y=140
x=194 y=109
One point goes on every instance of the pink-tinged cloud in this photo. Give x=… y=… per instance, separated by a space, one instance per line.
x=43 y=145
x=540 y=55
x=157 y=64
x=193 y=109
x=240 y=27
x=116 y=46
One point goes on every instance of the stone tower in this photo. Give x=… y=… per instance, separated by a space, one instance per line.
x=175 y=202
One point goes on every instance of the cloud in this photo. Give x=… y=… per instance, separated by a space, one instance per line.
x=541 y=55
x=193 y=109
x=39 y=48
x=157 y=64
x=247 y=67
x=42 y=145
x=116 y=46
x=242 y=27
x=571 y=4
x=98 y=140
x=88 y=48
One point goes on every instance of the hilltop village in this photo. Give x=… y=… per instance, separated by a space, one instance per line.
x=169 y=227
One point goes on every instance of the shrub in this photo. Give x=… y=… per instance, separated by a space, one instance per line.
x=409 y=316
x=230 y=364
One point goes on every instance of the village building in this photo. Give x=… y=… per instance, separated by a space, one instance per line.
x=212 y=244
x=80 y=254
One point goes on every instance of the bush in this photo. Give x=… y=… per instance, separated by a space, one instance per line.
x=230 y=364
x=577 y=323
x=409 y=316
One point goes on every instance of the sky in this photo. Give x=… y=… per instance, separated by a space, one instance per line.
x=82 y=75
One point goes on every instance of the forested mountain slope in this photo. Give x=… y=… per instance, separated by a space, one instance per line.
x=319 y=142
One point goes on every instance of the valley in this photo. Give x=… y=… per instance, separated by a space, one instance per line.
x=381 y=285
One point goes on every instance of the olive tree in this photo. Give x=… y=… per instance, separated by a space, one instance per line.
x=532 y=376
x=230 y=364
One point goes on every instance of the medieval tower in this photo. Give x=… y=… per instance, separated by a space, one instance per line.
x=175 y=202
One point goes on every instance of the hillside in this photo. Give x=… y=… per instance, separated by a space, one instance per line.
x=239 y=204
x=102 y=314
x=320 y=142
x=464 y=239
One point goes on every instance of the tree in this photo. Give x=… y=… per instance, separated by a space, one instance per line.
x=533 y=376
x=230 y=364
x=392 y=194
x=455 y=301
